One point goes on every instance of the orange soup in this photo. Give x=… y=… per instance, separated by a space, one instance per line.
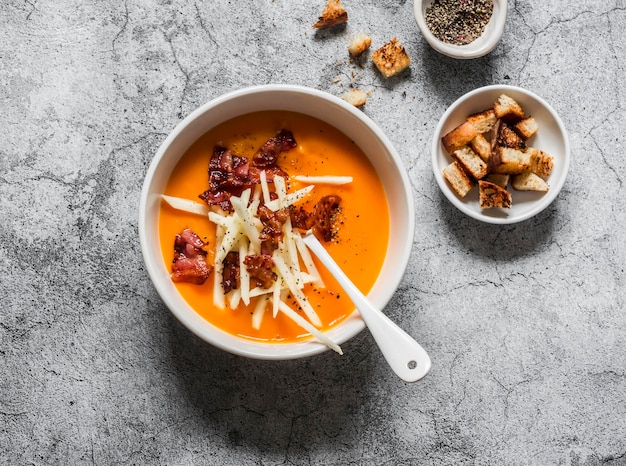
x=362 y=225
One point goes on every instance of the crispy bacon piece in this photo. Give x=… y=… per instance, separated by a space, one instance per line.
x=267 y=155
x=219 y=198
x=259 y=266
x=254 y=174
x=272 y=224
x=300 y=218
x=230 y=174
x=227 y=170
x=325 y=211
x=231 y=272
x=189 y=264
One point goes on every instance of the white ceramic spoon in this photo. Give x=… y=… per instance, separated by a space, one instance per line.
x=405 y=356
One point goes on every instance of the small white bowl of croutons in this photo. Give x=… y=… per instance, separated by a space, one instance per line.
x=462 y=30
x=500 y=154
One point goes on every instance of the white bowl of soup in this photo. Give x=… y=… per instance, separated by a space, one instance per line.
x=253 y=169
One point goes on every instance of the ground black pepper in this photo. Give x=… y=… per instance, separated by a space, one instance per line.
x=458 y=22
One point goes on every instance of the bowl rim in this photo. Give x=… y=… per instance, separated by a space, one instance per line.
x=546 y=200
x=237 y=345
x=479 y=47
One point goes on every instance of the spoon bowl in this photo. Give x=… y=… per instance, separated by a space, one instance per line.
x=403 y=354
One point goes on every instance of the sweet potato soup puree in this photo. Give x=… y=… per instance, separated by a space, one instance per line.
x=363 y=222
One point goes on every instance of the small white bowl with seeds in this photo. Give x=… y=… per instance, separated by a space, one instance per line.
x=462 y=29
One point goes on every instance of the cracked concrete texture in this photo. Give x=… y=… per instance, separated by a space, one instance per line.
x=525 y=323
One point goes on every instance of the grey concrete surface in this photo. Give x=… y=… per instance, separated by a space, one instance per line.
x=525 y=324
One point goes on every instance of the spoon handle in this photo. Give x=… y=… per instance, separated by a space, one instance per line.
x=403 y=354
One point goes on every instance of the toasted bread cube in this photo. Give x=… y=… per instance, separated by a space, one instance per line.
x=334 y=14
x=491 y=195
x=508 y=109
x=483 y=121
x=541 y=163
x=500 y=180
x=509 y=138
x=359 y=44
x=526 y=128
x=471 y=162
x=508 y=161
x=459 y=137
x=528 y=181
x=356 y=97
x=460 y=182
x=391 y=58
x=481 y=146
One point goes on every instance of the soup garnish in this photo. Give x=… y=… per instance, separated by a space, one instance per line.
x=239 y=152
x=259 y=250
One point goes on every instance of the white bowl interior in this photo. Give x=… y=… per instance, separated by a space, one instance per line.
x=323 y=106
x=551 y=138
x=479 y=47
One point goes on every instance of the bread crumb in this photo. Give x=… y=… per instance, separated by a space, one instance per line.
x=356 y=97
x=359 y=44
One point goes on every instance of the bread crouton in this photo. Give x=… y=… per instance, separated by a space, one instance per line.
x=526 y=128
x=540 y=163
x=509 y=138
x=491 y=195
x=471 y=162
x=507 y=109
x=356 y=97
x=391 y=58
x=508 y=161
x=500 y=180
x=334 y=14
x=459 y=137
x=483 y=121
x=481 y=146
x=528 y=181
x=458 y=179
x=359 y=44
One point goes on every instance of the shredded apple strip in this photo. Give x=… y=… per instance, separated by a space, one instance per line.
x=239 y=231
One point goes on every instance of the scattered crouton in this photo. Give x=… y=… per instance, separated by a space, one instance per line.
x=391 y=58
x=471 y=162
x=458 y=179
x=334 y=14
x=356 y=97
x=483 y=121
x=507 y=109
x=528 y=181
x=459 y=137
x=359 y=44
x=526 y=128
x=491 y=195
